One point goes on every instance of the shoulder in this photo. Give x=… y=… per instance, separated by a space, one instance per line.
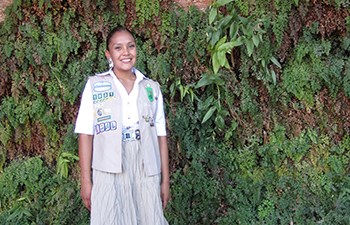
x=101 y=82
x=145 y=80
x=101 y=75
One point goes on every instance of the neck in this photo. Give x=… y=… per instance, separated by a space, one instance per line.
x=124 y=74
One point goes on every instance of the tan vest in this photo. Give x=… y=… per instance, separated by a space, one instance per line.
x=107 y=143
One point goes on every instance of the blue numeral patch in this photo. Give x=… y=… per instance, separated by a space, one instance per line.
x=106 y=126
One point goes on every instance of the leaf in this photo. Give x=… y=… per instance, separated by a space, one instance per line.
x=216 y=62
x=204 y=81
x=226 y=47
x=181 y=88
x=275 y=61
x=208 y=79
x=215 y=37
x=220 y=42
x=209 y=101
x=220 y=122
x=229 y=132
x=224 y=22
x=237 y=42
x=212 y=15
x=233 y=29
x=209 y=114
x=221 y=57
x=250 y=47
x=256 y=40
x=273 y=75
x=8 y=49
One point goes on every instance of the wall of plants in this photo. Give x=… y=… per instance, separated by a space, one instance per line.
x=257 y=99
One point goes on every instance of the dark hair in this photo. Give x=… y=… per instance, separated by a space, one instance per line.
x=115 y=30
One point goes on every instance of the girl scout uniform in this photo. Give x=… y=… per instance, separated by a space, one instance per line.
x=126 y=158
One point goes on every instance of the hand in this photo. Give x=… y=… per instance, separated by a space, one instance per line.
x=165 y=193
x=85 y=193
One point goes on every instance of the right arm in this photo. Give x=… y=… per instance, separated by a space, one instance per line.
x=85 y=156
x=84 y=127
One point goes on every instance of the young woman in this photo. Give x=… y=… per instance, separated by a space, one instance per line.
x=122 y=141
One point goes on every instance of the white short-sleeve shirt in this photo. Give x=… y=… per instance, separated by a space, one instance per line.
x=84 y=122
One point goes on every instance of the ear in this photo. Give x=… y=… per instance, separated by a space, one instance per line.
x=107 y=54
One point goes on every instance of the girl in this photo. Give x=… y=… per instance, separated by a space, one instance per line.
x=122 y=141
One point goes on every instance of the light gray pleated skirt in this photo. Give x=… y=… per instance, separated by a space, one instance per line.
x=127 y=198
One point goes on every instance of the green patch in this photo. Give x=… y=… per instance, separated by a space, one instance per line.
x=149 y=91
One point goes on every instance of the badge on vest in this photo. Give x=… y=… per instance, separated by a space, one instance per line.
x=149 y=91
x=102 y=86
x=103 y=111
x=102 y=96
x=149 y=120
x=105 y=126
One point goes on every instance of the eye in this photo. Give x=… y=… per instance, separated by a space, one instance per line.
x=132 y=46
x=117 y=48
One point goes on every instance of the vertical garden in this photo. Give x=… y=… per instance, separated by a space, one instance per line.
x=257 y=97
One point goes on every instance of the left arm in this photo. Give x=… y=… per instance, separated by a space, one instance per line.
x=165 y=182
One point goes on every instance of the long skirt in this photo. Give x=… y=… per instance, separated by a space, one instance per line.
x=127 y=198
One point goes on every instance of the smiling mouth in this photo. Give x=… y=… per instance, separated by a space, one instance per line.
x=126 y=60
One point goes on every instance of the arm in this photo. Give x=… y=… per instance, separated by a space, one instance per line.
x=85 y=155
x=165 y=182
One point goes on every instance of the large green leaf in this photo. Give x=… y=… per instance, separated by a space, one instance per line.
x=212 y=15
x=209 y=114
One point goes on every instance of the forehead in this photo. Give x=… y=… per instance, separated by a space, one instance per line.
x=121 y=37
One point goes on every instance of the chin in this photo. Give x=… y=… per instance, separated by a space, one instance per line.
x=124 y=68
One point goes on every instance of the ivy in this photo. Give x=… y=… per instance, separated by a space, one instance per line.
x=145 y=10
x=256 y=95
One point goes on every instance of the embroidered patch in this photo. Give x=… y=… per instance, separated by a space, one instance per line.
x=149 y=120
x=102 y=86
x=99 y=112
x=106 y=126
x=149 y=91
x=104 y=118
x=100 y=97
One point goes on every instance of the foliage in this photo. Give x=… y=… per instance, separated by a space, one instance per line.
x=289 y=180
x=257 y=98
x=316 y=63
x=32 y=194
x=233 y=30
x=145 y=10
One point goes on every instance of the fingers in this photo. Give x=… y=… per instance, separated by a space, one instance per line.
x=165 y=203
x=86 y=197
x=85 y=193
x=165 y=199
x=87 y=203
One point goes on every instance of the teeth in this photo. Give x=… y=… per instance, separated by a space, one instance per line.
x=126 y=60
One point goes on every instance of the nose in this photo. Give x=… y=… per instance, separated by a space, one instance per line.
x=126 y=50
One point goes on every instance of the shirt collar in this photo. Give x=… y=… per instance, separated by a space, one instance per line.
x=139 y=76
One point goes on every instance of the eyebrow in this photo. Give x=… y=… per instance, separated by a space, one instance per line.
x=123 y=42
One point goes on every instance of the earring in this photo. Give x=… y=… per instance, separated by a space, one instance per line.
x=110 y=63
